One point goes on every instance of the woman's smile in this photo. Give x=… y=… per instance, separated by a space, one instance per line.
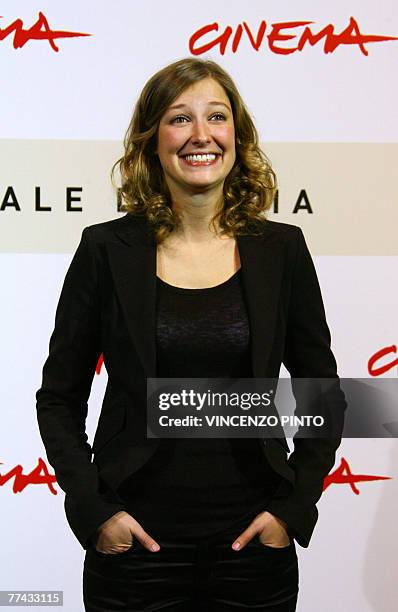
x=199 y=160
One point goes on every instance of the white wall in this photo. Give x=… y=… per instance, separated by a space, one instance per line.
x=62 y=118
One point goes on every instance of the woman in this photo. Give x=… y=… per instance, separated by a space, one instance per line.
x=192 y=282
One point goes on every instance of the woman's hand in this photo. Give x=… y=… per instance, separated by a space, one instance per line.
x=116 y=535
x=272 y=532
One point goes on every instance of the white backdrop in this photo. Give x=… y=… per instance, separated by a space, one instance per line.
x=329 y=124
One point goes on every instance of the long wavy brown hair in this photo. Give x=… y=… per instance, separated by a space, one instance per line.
x=248 y=189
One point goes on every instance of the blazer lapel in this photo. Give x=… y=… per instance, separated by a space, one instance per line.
x=133 y=265
x=262 y=264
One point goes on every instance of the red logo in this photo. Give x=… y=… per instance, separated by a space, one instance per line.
x=343 y=475
x=100 y=363
x=38 y=31
x=378 y=370
x=280 y=33
x=39 y=475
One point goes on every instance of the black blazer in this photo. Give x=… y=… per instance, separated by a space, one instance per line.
x=107 y=305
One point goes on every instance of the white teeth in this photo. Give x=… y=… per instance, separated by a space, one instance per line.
x=200 y=158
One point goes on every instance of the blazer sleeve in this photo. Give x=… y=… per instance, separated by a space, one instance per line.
x=74 y=349
x=308 y=355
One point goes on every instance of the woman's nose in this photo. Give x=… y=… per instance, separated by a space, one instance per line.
x=200 y=133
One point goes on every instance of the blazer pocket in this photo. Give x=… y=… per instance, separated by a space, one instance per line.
x=110 y=423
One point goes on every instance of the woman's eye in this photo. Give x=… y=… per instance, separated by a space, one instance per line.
x=177 y=119
x=218 y=116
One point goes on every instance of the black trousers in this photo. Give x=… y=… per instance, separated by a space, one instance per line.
x=205 y=576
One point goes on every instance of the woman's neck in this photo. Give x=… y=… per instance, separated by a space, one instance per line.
x=196 y=211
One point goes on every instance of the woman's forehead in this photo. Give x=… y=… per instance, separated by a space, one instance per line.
x=207 y=90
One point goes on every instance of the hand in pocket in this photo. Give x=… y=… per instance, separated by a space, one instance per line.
x=116 y=535
x=271 y=531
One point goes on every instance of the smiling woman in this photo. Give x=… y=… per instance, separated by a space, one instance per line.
x=193 y=282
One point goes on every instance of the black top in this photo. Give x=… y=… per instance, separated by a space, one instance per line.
x=203 y=332
x=191 y=488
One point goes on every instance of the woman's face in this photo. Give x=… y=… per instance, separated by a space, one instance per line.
x=196 y=139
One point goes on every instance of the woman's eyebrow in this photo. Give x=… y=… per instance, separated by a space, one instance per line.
x=212 y=103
